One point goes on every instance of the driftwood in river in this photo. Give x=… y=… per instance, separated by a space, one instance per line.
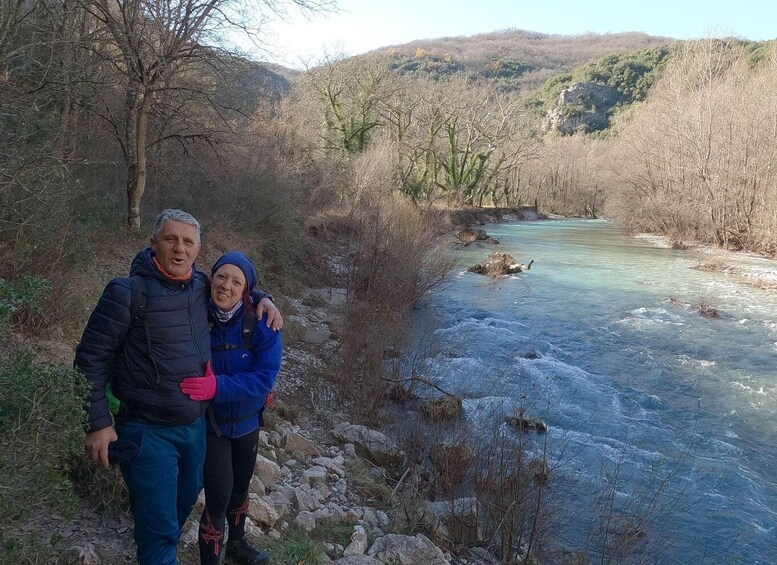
x=499 y=264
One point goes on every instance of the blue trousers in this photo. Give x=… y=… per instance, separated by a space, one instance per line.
x=163 y=480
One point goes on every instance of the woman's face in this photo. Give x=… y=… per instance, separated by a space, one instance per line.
x=229 y=282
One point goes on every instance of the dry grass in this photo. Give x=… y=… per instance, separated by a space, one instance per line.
x=440 y=409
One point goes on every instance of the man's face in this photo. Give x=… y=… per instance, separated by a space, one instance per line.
x=176 y=247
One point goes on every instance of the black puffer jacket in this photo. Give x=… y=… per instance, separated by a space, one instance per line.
x=169 y=342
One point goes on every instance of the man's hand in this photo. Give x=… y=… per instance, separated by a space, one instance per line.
x=274 y=318
x=96 y=445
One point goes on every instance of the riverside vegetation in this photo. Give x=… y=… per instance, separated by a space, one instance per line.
x=341 y=176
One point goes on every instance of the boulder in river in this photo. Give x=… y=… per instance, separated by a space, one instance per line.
x=470 y=235
x=526 y=424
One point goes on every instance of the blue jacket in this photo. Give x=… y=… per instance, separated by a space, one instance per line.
x=244 y=377
x=146 y=360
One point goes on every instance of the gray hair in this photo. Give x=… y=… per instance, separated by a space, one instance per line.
x=173 y=214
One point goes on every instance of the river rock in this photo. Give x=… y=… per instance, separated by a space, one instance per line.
x=306 y=498
x=282 y=499
x=262 y=510
x=333 y=465
x=371 y=444
x=358 y=545
x=407 y=550
x=292 y=441
x=331 y=513
x=358 y=560
x=470 y=235
x=314 y=475
x=460 y=517
x=267 y=471
x=256 y=486
x=526 y=424
x=306 y=521
x=317 y=334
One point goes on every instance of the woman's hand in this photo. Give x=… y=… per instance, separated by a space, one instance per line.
x=274 y=318
x=200 y=388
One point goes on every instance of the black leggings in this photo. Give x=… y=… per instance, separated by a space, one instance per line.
x=229 y=465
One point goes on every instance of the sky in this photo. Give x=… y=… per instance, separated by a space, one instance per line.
x=363 y=25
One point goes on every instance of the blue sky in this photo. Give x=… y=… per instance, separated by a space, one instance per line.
x=363 y=25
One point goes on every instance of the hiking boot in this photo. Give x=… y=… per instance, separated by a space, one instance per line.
x=238 y=552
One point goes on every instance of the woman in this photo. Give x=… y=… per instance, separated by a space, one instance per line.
x=242 y=375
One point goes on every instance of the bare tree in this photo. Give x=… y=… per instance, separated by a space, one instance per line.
x=698 y=160
x=152 y=43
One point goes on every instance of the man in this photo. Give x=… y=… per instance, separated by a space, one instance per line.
x=160 y=430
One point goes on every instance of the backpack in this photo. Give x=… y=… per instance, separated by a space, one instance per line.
x=138 y=296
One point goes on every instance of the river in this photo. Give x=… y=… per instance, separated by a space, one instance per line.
x=672 y=413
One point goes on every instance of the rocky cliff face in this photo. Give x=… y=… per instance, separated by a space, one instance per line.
x=583 y=107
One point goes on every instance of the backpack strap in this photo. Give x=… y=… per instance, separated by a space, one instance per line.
x=249 y=323
x=246 y=331
x=138 y=296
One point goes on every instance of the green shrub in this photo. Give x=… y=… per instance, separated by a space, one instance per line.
x=20 y=299
x=327 y=531
x=631 y=73
x=296 y=547
x=548 y=95
x=41 y=416
x=422 y=64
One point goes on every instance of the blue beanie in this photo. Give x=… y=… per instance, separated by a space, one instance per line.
x=240 y=261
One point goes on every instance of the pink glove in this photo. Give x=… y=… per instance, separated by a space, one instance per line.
x=200 y=388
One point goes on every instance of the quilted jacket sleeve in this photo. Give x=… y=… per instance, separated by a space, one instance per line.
x=106 y=330
x=257 y=295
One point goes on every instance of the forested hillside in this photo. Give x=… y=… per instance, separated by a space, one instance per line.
x=514 y=59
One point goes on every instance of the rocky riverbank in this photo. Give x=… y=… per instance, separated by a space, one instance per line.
x=467 y=217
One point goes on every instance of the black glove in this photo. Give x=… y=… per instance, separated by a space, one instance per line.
x=121 y=450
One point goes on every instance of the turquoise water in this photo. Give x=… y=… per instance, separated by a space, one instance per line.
x=673 y=413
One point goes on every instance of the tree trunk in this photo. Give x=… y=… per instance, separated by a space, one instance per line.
x=136 y=172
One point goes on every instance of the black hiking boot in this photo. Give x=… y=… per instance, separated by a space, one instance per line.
x=238 y=552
